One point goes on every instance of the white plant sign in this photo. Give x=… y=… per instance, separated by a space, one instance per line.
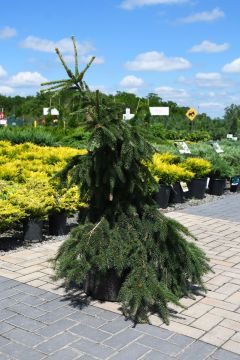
x=159 y=110
x=128 y=115
x=183 y=147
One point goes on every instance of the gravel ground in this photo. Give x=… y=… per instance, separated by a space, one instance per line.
x=11 y=241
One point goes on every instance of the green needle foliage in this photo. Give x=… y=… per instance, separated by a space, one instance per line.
x=124 y=231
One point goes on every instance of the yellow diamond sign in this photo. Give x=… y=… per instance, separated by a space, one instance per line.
x=191 y=114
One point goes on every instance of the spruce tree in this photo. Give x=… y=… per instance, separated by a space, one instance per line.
x=123 y=231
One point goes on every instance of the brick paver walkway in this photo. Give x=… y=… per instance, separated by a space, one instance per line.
x=38 y=322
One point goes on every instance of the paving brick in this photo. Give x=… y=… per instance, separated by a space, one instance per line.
x=27 y=289
x=5 y=303
x=221 y=354
x=52 y=305
x=231 y=324
x=123 y=338
x=153 y=331
x=64 y=354
x=26 y=310
x=8 y=293
x=207 y=321
x=156 y=355
x=33 y=300
x=4 y=327
x=220 y=304
x=90 y=333
x=3 y=341
x=24 y=337
x=133 y=352
x=236 y=337
x=21 y=352
x=197 y=351
x=232 y=346
x=160 y=345
x=58 y=314
x=228 y=289
x=218 y=335
x=92 y=348
x=24 y=322
x=116 y=325
x=56 y=343
x=56 y=328
x=184 y=329
x=181 y=340
x=6 y=314
x=235 y=298
x=197 y=310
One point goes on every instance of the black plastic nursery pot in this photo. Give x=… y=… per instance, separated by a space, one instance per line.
x=217 y=186
x=57 y=224
x=234 y=183
x=176 y=194
x=163 y=195
x=197 y=188
x=103 y=287
x=33 y=230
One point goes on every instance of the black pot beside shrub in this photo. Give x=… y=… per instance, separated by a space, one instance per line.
x=217 y=186
x=103 y=287
x=176 y=194
x=57 y=224
x=32 y=230
x=163 y=195
x=197 y=188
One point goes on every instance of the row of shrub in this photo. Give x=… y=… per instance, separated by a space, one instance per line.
x=28 y=188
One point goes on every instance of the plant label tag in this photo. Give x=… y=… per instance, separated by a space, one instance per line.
x=217 y=148
x=183 y=147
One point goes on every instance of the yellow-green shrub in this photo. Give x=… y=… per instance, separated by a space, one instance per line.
x=9 y=214
x=35 y=197
x=198 y=166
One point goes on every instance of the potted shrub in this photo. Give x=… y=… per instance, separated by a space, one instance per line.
x=169 y=176
x=66 y=203
x=218 y=175
x=36 y=198
x=125 y=243
x=201 y=168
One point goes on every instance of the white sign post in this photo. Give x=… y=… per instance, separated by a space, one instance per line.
x=159 y=110
x=128 y=115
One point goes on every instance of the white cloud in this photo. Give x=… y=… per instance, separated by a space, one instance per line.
x=169 y=93
x=156 y=61
x=205 y=16
x=233 y=67
x=131 y=81
x=3 y=72
x=64 y=45
x=69 y=59
x=7 y=32
x=26 y=79
x=213 y=79
x=132 y=4
x=212 y=105
x=6 y=90
x=209 y=47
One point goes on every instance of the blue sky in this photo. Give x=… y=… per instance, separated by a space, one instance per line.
x=184 y=50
